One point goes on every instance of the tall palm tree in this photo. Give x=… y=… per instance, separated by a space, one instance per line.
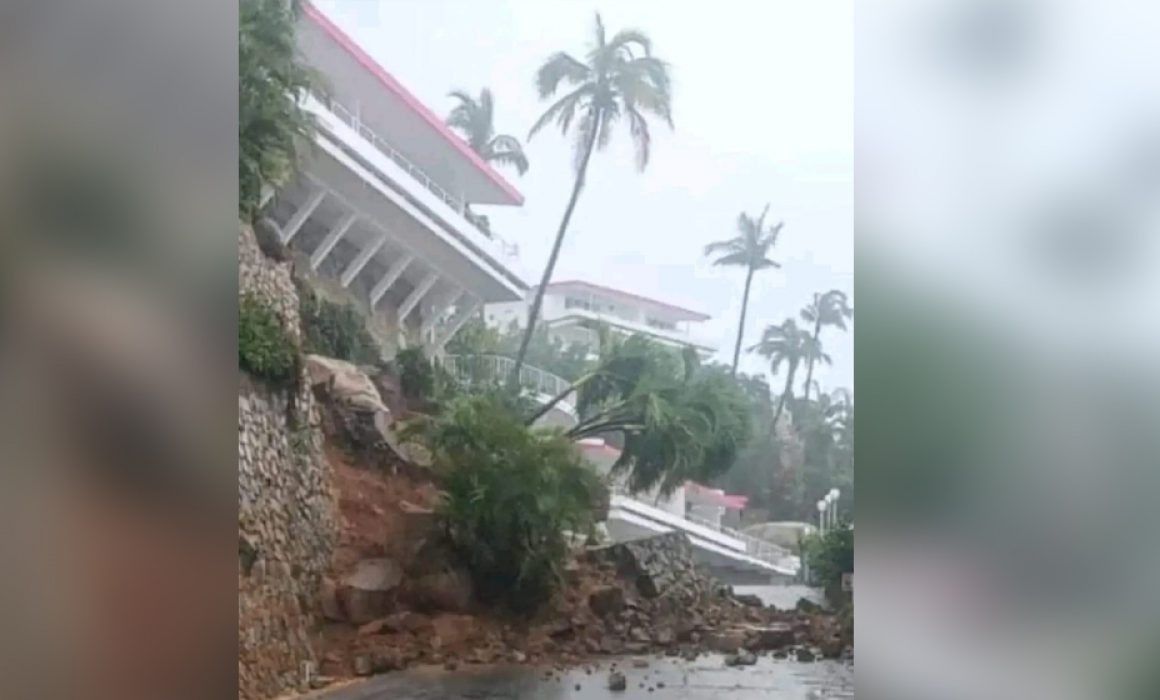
x=619 y=79
x=750 y=250
x=473 y=119
x=789 y=345
x=829 y=309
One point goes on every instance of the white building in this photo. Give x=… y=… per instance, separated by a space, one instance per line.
x=569 y=305
x=380 y=210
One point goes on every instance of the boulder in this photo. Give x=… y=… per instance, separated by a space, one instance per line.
x=750 y=600
x=743 y=658
x=606 y=600
x=616 y=681
x=448 y=590
x=770 y=637
x=343 y=382
x=726 y=641
x=328 y=601
x=367 y=593
x=363 y=665
x=804 y=654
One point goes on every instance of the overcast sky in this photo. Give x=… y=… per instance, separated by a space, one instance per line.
x=763 y=110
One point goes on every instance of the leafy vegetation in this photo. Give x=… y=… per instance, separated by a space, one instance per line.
x=749 y=249
x=474 y=119
x=416 y=373
x=620 y=79
x=831 y=555
x=265 y=350
x=789 y=345
x=829 y=309
x=510 y=494
x=335 y=330
x=674 y=418
x=272 y=125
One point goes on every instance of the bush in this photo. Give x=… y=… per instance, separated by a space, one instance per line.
x=831 y=555
x=511 y=492
x=265 y=350
x=335 y=330
x=272 y=124
x=416 y=374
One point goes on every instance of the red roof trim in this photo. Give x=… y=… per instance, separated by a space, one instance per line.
x=410 y=100
x=694 y=315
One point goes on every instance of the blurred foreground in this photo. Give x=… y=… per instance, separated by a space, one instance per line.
x=1008 y=349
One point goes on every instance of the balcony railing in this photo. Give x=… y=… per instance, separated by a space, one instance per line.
x=495 y=370
x=352 y=120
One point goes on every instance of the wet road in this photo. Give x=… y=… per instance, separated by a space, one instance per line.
x=704 y=679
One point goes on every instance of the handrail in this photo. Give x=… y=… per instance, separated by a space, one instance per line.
x=457 y=203
x=497 y=368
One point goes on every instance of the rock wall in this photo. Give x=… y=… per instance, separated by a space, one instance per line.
x=286 y=509
x=662 y=566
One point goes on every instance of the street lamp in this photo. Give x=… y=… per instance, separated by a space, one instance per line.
x=835 y=494
x=822 y=516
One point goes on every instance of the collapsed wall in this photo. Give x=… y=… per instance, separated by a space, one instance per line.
x=286 y=510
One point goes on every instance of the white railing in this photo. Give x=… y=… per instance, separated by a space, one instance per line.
x=754 y=547
x=496 y=369
x=352 y=120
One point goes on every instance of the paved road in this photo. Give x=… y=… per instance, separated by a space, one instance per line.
x=704 y=679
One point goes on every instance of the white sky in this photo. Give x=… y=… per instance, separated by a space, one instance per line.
x=763 y=109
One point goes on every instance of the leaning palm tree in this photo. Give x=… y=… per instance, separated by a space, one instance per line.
x=473 y=119
x=789 y=345
x=750 y=249
x=620 y=79
x=829 y=309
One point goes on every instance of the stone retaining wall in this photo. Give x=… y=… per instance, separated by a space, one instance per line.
x=662 y=566
x=286 y=509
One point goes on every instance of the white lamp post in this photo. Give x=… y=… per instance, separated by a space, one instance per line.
x=834 y=495
x=822 y=517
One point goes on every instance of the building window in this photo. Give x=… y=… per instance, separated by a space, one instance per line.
x=576 y=303
x=661 y=324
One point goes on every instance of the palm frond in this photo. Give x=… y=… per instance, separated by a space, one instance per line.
x=738 y=259
x=715 y=247
x=562 y=110
x=560 y=67
x=626 y=38
x=516 y=158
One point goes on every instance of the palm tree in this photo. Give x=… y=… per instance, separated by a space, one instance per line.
x=676 y=418
x=829 y=309
x=473 y=119
x=750 y=250
x=620 y=78
x=789 y=345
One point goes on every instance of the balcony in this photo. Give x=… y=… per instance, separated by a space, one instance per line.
x=396 y=171
x=676 y=337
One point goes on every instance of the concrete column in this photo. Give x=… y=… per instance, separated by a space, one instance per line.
x=331 y=240
x=389 y=278
x=467 y=307
x=361 y=260
x=416 y=296
x=302 y=215
x=437 y=308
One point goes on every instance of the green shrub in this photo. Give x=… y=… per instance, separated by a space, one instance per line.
x=265 y=350
x=831 y=555
x=511 y=492
x=272 y=124
x=335 y=330
x=416 y=374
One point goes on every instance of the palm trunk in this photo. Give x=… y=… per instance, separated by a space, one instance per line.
x=810 y=364
x=538 y=301
x=741 y=325
x=785 y=394
x=574 y=386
